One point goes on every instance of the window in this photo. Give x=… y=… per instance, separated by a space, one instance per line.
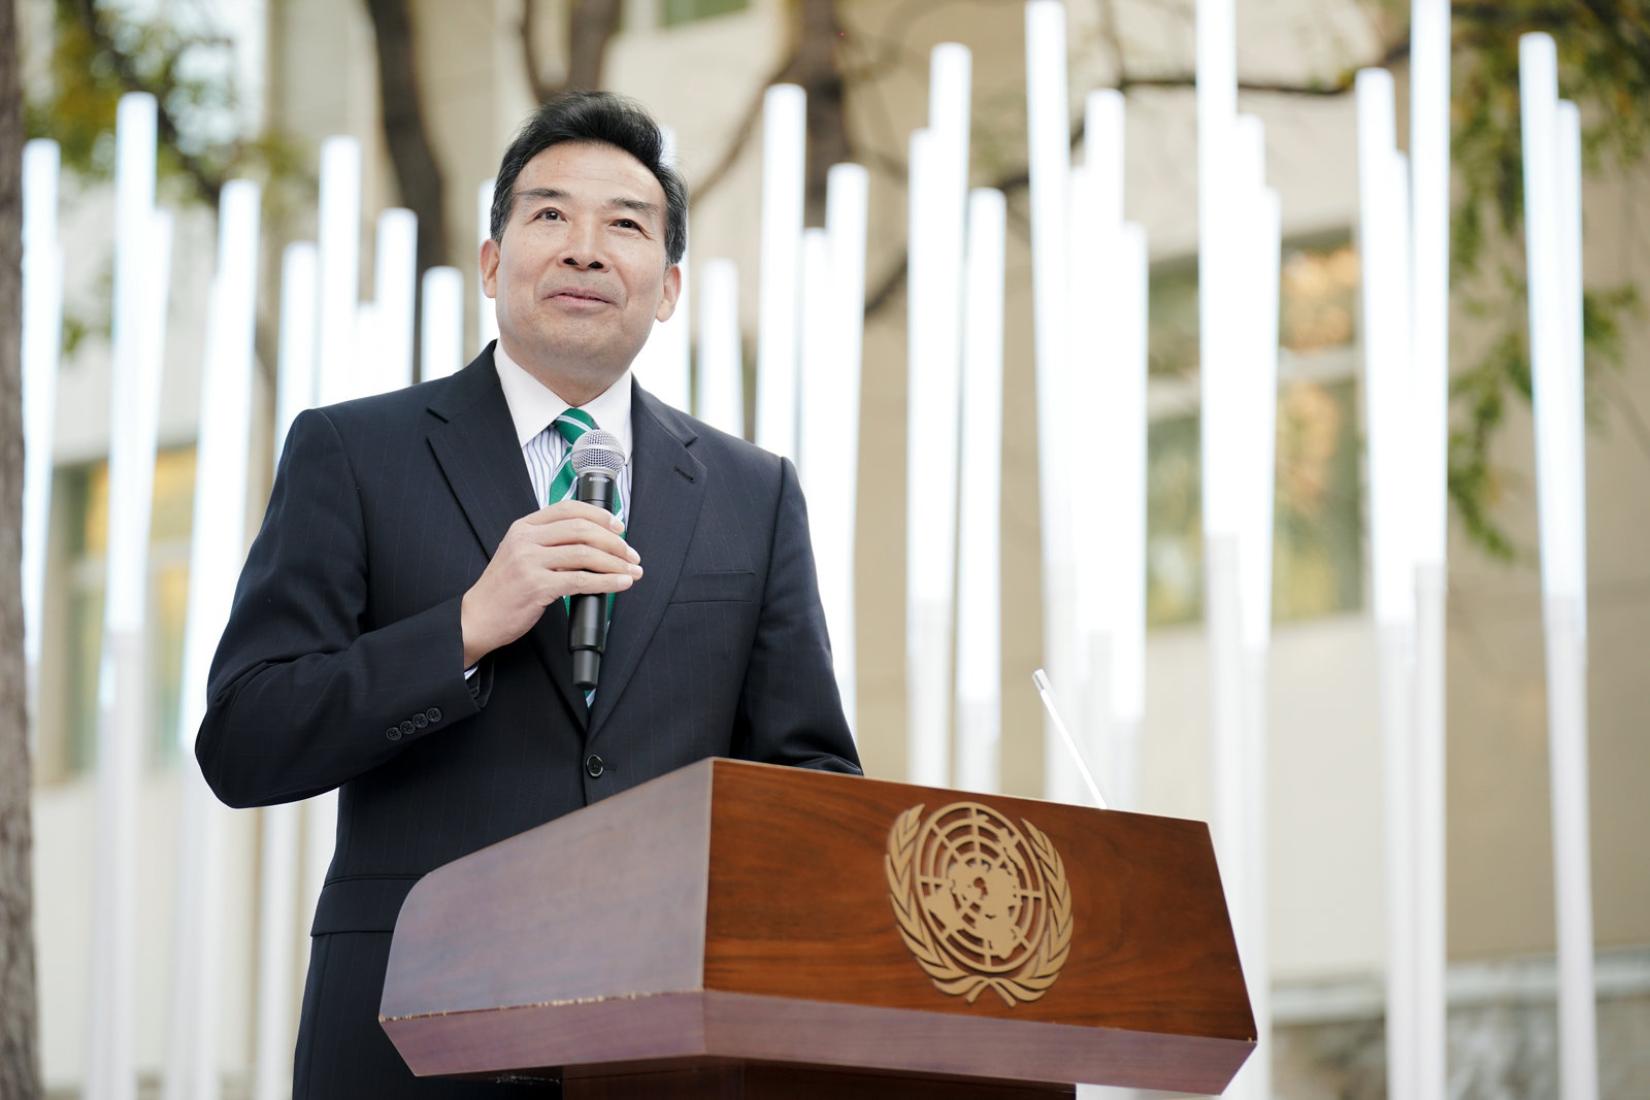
x=1317 y=557
x=84 y=492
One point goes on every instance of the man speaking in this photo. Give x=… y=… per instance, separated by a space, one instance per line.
x=400 y=629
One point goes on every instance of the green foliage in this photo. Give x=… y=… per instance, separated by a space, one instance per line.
x=1604 y=66
x=99 y=56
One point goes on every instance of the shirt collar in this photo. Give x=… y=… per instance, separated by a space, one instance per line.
x=533 y=405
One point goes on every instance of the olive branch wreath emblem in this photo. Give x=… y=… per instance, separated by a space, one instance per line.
x=1028 y=983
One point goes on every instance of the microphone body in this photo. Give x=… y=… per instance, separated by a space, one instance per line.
x=597 y=459
x=587 y=613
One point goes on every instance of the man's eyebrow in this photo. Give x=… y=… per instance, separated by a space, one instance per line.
x=554 y=194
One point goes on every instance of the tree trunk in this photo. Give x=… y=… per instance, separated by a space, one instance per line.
x=819 y=71
x=417 y=175
x=19 y=1026
x=591 y=25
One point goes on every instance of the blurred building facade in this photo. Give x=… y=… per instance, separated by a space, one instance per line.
x=699 y=64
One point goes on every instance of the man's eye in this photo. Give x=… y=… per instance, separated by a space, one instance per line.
x=626 y=223
x=548 y=214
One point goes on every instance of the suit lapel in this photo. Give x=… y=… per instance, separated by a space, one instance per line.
x=667 y=491
x=475 y=445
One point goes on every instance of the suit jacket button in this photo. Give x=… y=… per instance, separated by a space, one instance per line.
x=420 y=721
x=433 y=714
x=393 y=733
x=406 y=727
x=594 y=766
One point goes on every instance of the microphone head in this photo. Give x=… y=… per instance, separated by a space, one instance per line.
x=598 y=452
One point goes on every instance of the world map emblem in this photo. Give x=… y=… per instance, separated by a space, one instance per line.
x=981 y=904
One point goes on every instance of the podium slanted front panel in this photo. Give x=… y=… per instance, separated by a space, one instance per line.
x=735 y=912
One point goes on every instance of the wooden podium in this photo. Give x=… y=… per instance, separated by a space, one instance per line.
x=742 y=930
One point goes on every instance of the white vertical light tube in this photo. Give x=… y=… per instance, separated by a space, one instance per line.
x=338 y=378
x=1552 y=217
x=1048 y=138
x=937 y=212
x=395 y=286
x=42 y=344
x=721 y=359
x=486 y=311
x=847 y=201
x=979 y=541
x=1127 y=459
x=216 y=550
x=1388 y=390
x=278 y=868
x=441 y=348
x=784 y=134
x=339 y=224
x=827 y=475
x=142 y=271
x=1429 y=315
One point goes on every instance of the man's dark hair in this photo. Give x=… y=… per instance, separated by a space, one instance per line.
x=611 y=119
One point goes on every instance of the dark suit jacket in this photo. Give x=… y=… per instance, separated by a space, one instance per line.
x=342 y=663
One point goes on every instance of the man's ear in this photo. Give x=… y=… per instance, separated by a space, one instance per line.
x=672 y=290
x=489 y=267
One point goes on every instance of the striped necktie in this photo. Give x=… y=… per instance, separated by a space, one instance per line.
x=571 y=426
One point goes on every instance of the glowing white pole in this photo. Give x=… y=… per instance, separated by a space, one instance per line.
x=784 y=122
x=1262 y=248
x=847 y=196
x=1552 y=218
x=216 y=550
x=278 y=870
x=979 y=542
x=1389 y=390
x=1095 y=209
x=486 y=313
x=1126 y=459
x=1429 y=436
x=441 y=350
x=395 y=281
x=339 y=223
x=1224 y=293
x=142 y=272
x=338 y=378
x=42 y=344
x=721 y=359
x=826 y=480
x=1048 y=137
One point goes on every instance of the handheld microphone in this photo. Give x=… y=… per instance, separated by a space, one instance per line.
x=597 y=461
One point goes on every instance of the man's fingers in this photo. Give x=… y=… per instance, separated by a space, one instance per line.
x=575 y=509
x=581 y=557
x=593 y=583
x=568 y=531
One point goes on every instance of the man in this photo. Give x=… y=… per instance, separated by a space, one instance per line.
x=399 y=631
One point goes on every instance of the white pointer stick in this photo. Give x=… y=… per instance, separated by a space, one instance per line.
x=1040 y=679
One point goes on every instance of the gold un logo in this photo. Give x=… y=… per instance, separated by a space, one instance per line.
x=980 y=905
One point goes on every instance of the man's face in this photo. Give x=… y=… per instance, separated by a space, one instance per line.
x=580 y=273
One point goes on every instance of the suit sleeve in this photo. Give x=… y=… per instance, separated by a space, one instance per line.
x=300 y=699
x=790 y=711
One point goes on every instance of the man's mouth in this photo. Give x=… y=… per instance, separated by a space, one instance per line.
x=576 y=295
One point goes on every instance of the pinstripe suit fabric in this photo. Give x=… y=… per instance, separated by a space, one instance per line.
x=341 y=665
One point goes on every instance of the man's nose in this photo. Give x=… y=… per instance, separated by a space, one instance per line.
x=583 y=250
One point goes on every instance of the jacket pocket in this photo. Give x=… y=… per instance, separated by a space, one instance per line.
x=369 y=903
x=738 y=586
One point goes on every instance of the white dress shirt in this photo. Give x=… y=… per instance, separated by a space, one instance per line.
x=535 y=406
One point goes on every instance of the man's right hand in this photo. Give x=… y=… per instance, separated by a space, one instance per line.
x=566 y=549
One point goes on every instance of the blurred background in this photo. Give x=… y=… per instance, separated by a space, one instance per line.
x=433 y=90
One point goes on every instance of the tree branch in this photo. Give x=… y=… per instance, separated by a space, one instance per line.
x=208 y=184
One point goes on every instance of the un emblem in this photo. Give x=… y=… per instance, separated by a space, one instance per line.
x=980 y=905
